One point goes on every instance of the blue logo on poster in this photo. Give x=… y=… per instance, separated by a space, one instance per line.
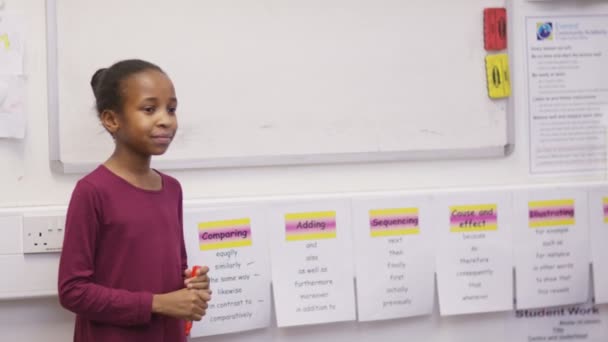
x=544 y=31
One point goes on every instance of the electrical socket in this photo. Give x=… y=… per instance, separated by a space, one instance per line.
x=43 y=234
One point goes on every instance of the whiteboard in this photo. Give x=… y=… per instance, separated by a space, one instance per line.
x=284 y=82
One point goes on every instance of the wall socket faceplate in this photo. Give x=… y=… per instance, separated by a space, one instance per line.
x=43 y=234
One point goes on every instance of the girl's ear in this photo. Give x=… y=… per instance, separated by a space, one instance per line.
x=109 y=120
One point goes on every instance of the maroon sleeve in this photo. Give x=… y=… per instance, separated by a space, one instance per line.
x=78 y=291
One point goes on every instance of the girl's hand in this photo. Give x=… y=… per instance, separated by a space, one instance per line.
x=198 y=281
x=183 y=304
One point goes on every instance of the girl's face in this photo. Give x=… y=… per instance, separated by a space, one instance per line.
x=148 y=121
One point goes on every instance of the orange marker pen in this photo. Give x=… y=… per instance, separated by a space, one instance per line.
x=189 y=323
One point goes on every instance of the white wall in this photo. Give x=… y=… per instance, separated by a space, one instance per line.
x=28 y=181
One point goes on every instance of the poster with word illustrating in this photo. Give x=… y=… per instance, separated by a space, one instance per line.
x=551 y=247
x=312 y=262
x=233 y=244
x=474 y=258
x=598 y=216
x=394 y=255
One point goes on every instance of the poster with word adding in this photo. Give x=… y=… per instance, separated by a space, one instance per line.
x=474 y=256
x=312 y=262
x=585 y=323
x=598 y=216
x=394 y=257
x=551 y=247
x=232 y=243
x=568 y=90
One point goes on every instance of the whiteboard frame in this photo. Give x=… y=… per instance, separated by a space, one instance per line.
x=59 y=166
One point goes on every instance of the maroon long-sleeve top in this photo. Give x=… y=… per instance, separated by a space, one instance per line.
x=122 y=245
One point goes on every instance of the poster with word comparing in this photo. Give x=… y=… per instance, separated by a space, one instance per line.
x=232 y=242
x=551 y=247
x=584 y=323
x=394 y=257
x=312 y=262
x=598 y=216
x=474 y=255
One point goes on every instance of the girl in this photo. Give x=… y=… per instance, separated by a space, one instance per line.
x=123 y=264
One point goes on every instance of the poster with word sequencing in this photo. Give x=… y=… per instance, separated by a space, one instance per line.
x=233 y=244
x=551 y=247
x=312 y=262
x=474 y=257
x=583 y=323
x=598 y=216
x=394 y=257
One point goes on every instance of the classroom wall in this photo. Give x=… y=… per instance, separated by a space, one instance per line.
x=26 y=180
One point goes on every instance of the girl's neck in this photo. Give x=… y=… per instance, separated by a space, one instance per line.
x=134 y=168
x=129 y=162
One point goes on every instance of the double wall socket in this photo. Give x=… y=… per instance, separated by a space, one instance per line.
x=43 y=234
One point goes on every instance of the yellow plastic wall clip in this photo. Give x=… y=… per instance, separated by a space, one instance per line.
x=497 y=71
